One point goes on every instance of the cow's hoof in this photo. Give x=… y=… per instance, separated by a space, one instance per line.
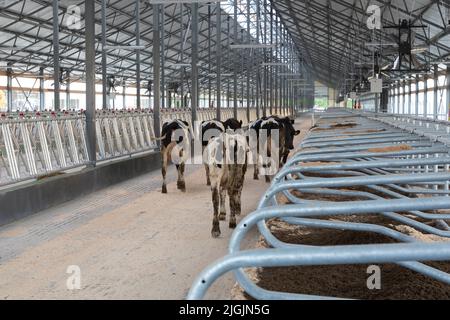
x=208 y=183
x=181 y=185
x=267 y=180
x=215 y=233
x=164 y=189
x=223 y=216
x=255 y=178
x=232 y=224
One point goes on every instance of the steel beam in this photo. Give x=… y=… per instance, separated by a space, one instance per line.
x=235 y=75
x=194 y=61
x=157 y=69
x=163 y=57
x=90 y=80
x=104 y=58
x=447 y=106
x=435 y=92
x=138 y=54
x=218 y=58
x=56 y=65
x=9 y=102
x=41 y=89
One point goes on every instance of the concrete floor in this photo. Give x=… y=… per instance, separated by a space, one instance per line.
x=129 y=241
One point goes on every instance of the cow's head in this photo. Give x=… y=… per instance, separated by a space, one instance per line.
x=290 y=133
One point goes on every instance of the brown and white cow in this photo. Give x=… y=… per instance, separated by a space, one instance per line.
x=175 y=147
x=227 y=161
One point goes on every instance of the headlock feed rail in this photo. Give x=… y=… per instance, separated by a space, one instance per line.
x=41 y=143
x=395 y=169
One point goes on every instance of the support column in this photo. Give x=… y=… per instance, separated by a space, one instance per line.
x=138 y=55
x=258 y=86
x=447 y=106
x=90 y=80
x=249 y=69
x=56 y=66
x=235 y=75
x=404 y=97
x=271 y=68
x=425 y=97
x=209 y=58
x=105 y=101
x=417 y=97
x=124 y=96
x=68 y=91
x=41 y=89
x=9 y=89
x=409 y=97
x=183 y=105
x=219 y=59
x=194 y=66
x=436 y=93
x=163 y=57
x=157 y=69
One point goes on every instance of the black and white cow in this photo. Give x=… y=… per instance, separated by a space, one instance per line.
x=210 y=129
x=286 y=133
x=175 y=143
x=213 y=128
x=227 y=162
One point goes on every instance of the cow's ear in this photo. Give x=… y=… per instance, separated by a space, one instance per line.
x=292 y=121
x=297 y=132
x=240 y=122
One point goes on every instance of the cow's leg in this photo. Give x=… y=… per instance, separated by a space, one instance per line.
x=164 y=164
x=255 y=172
x=235 y=206
x=208 y=180
x=238 y=202
x=181 y=184
x=215 y=232
x=223 y=207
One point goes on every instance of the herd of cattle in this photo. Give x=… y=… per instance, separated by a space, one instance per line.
x=227 y=150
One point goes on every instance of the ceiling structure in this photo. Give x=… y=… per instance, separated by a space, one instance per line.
x=332 y=34
x=26 y=39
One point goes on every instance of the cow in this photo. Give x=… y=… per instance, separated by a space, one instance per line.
x=286 y=133
x=175 y=141
x=289 y=133
x=232 y=124
x=227 y=161
x=210 y=129
x=214 y=128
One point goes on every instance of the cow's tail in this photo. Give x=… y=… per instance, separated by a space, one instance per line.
x=160 y=139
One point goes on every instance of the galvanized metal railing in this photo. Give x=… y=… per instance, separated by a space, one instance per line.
x=396 y=172
x=33 y=145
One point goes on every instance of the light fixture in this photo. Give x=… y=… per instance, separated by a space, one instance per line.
x=274 y=64
x=289 y=74
x=124 y=48
x=252 y=46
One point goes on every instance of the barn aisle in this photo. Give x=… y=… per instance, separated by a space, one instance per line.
x=130 y=241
